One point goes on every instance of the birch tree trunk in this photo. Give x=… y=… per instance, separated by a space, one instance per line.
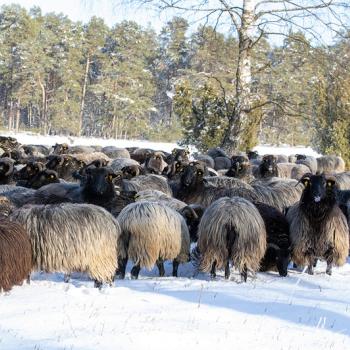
x=10 y=116
x=240 y=116
x=82 y=102
x=18 y=114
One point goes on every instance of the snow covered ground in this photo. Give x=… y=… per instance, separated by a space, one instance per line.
x=28 y=138
x=269 y=312
x=297 y=312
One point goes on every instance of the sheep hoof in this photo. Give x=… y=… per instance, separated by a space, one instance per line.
x=66 y=277
x=135 y=272
x=98 y=284
x=310 y=270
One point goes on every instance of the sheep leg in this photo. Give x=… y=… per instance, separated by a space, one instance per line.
x=227 y=270
x=135 y=272
x=28 y=279
x=329 y=259
x=66 y=277
x=160 y=265
x=175 y=267
x=97 y=284
x=213 y=270
x=244 y=274
x=120 y=272
x=310 y=268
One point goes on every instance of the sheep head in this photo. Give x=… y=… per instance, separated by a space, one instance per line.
x=29 y=171
x=194 y=174
x=268 y=166
x=99 y=182
x=239 y=167
x=44 y=177
x=319 y=194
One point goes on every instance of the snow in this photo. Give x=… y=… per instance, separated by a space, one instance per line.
x=269 y=312
x=192 y=311
x=28 y=138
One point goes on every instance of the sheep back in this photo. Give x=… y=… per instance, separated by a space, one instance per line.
x=72 y=237
x=306 y=235
x=15 y=254
x=224 y=218
x=151 y=231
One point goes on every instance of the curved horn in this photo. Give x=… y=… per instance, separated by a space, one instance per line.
x=9 y=172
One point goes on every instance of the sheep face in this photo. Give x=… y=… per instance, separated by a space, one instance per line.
x=319 y=194
x=43 y=178
x=180 y=154
x=60 y=148
x=193 y=174
x=99 y=182
x=155 y=164
x=268 y=166
x=239 y=168
x=253 y=155
x=175 y=170
x=300 y=156
x=192 y=214
x=131 y=171
x=30 y=170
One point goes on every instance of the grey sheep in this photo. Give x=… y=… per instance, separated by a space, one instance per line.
x=281 y=195
x=309 y=161
x=330 y=164
x=119 y=163
x=115 y=152
x=146 y=182
x=291 y=170
x=318 y=228
x=160 y=197
x=231 y=229
x=152 y=233
x=72 y=237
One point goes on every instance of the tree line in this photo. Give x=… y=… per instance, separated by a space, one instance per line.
x=58 y=76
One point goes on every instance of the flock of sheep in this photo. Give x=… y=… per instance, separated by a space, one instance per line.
x=91 y=209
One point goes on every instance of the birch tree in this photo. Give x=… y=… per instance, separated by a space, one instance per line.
x=253 y=20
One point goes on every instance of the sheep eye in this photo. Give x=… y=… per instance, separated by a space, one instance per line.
x=329 y=184
x=177 y=165
x=199 y=172
x=306 y=183
x=52 y=176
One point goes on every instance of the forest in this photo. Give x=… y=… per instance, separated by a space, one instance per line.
x=58 y=76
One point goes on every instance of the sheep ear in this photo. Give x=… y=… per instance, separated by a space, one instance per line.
x=188 y=213
x=305 y=180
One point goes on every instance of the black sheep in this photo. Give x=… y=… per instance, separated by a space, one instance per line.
x=6 y=171
x=278 y=250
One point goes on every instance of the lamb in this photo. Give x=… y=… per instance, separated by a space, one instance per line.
x=152 y=233
x=231 y=229
x=318 y=228
x=278 y=251
x=15 y=254
x=72 y=237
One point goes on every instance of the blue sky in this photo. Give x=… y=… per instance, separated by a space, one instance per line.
x=82 y=10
